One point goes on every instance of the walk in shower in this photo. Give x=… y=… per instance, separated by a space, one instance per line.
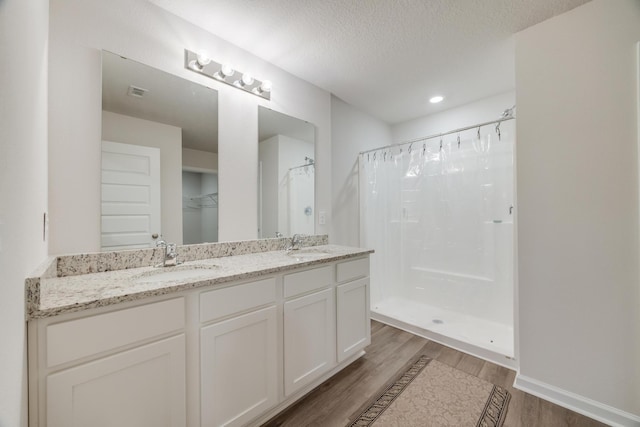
x=439 y=214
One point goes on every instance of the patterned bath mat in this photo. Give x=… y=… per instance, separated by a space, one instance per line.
x=431 y=393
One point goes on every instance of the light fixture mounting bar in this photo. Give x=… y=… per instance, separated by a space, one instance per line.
x=223 y=73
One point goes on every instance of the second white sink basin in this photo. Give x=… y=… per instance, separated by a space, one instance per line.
x=307 y=254
x=177 y=273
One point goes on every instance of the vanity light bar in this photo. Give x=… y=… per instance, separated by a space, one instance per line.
x=226 y=74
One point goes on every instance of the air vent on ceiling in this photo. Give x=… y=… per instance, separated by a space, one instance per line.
x=138 y=92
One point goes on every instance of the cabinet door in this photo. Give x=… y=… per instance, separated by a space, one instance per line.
x=354 y=326
x=142 y=387
x=239 y=368
x=309 y=339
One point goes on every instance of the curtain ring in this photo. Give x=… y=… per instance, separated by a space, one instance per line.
x=458 y=141
x=498 y=131
x=440 y=143
x=479 y=132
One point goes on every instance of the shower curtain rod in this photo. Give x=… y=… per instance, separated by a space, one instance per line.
x=437 y=135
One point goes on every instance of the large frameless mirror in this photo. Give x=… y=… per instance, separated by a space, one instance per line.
x=159 y=157
x=286 y=174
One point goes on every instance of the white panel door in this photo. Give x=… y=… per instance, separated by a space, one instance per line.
x=354 y=326
x=309 y=339
x=142 y=387
x=130 y=195
x=239 y=368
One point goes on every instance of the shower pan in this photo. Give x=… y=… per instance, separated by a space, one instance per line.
x=439 y=214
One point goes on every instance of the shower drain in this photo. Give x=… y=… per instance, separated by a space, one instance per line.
x=438 y=321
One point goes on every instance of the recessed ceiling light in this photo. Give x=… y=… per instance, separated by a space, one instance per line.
x=436 y=99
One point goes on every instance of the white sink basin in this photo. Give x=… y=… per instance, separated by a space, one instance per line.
x=174 y=274
x=308 y=254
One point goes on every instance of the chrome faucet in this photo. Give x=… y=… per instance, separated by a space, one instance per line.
x=295 y=242
x=170 y=252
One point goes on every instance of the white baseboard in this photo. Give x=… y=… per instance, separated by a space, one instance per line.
x=583 y=405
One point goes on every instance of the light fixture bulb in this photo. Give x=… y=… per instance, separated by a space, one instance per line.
x=226 y=70
x=195 y=65
x=266 y=86
x=436 y=99
x=203 y=59
x=247 y=79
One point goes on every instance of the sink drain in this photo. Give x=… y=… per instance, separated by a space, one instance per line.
x=438 y=321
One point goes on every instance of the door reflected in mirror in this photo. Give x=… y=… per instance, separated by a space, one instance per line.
x=286 y=188
x=159 y=159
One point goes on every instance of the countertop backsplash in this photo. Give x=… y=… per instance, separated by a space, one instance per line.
x=98 y=262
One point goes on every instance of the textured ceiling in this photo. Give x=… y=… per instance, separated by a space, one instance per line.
x=386 y=57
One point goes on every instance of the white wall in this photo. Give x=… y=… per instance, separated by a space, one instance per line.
x=131 y=130
x=352 y=132
x=23 y=186
x=143 y=32
x=268 y=155
x=483 y=110
x=202 y=161
x=577 y=176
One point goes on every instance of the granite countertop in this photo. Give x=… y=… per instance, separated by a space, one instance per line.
x=52 y=296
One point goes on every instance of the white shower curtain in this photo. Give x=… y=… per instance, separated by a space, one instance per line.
x=438 y=215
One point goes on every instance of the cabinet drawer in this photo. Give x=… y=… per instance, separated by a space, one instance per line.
x=307 y=281
x=84 y=337
x=350 y=270
x=235 y=299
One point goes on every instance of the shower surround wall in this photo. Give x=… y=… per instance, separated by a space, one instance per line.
x=441 y=222
x=286 y=186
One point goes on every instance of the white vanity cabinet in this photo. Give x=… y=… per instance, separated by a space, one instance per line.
x=309 y=326
x=239 y=354
x=121 y=368
x=231 y=354
x=352 y=307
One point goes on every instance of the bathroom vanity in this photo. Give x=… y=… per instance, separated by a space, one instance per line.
x=218 y=340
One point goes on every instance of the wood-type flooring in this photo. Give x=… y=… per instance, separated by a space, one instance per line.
x=335 y=402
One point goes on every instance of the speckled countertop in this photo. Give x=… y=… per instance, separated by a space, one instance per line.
x=51 y=295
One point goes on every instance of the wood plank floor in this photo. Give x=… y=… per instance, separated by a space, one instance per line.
x=336 y=400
